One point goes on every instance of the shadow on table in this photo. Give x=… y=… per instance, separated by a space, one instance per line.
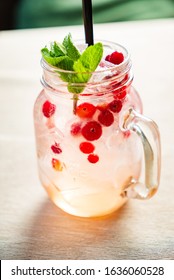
x=55 y=234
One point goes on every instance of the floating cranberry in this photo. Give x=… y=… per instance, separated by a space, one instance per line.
x=115 y=58
x=92 y=158
x=92 y=131
x=48 y=109
x=87 y=147
x=56 y=148
x=56 y=164
x=126 y=133
x=108 y=57
x=115 y=106
x=106 y=118
x=85 y=110
x=102 y=106
x=121 y=94
x=75 y=129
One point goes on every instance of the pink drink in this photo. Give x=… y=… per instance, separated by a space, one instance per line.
x=85 y=157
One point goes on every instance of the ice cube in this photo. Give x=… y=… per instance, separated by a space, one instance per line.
x=104 y=71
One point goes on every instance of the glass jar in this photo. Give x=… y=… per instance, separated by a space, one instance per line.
x=92 y=139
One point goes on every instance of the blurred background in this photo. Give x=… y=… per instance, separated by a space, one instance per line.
x=18 y=14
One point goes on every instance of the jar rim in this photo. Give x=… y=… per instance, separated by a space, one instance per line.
x=112 y=45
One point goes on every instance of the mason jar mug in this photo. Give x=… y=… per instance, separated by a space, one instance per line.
x=95 y=149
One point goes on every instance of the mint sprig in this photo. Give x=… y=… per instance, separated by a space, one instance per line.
x=71 y=50
x=88 y=62
x=67 y=57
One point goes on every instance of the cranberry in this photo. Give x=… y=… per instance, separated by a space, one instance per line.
x=106 y=118
x=48 y=109
x=126 y=133
x=108 y=57
x=121 y=94
x=86 y=147
x=92 y=131
x=56 y=148
x=115 y=106
x=115 y=57
x=85 y=110
x=92 y=158
x=75 y=129
x=56 y=164
x=102 y=106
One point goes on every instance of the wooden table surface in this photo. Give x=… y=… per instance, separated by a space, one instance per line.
x=31 y=227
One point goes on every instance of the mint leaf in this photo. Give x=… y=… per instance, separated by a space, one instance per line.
x=66 y=64
x=87 y=63
x=90 y=58
x=53 y=60
x=45 y=52
x=57 y=49
x=82 y=74
x=84 y=66
x=71 y=50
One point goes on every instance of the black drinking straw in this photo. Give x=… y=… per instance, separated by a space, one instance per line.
x=88 y=23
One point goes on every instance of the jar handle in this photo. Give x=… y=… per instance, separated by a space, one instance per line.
x=148 y=132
